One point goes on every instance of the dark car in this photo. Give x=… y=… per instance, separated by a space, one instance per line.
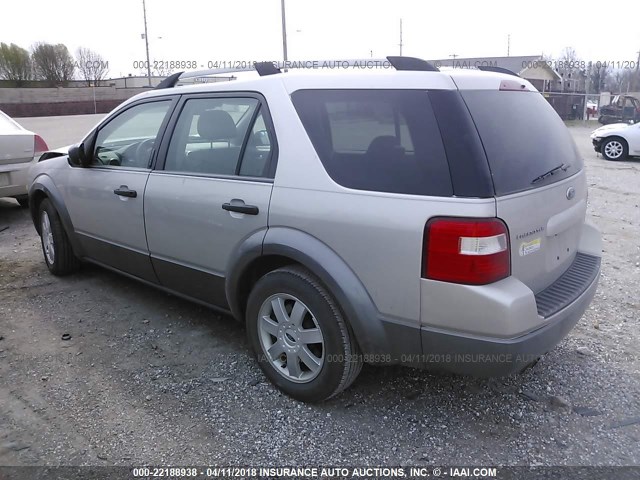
x=622 y=109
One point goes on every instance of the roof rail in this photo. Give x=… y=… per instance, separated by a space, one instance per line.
x=272 y=68
x=497 y=70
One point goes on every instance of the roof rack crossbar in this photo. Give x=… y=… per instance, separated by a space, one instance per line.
x=271 y=68
x=497 y=70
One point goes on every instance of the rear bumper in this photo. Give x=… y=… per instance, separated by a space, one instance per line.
x=498 y=329
x=492 y=357
x=13 y=181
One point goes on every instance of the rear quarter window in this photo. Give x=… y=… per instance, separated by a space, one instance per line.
x=378 y=140
x=523 y=138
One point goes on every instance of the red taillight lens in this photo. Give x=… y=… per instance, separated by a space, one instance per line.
x=39 y=145
x=466 y=250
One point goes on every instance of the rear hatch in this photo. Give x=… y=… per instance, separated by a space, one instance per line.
x=16 y=143
x=538 y=178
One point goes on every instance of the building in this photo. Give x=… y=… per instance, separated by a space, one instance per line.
x=533 y=68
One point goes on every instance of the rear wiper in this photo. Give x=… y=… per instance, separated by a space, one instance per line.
x=563 y=166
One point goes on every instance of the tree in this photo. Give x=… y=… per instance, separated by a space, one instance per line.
x=598 y=74
x=569 y=66
x=91 y=65
x=621 y=81
x=15 y=63
x=52 y=63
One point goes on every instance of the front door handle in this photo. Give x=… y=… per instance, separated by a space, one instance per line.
x=125 y=191
x=241 y=208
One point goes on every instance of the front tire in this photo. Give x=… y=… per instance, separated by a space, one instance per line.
x=614 y=149
x=299 y=336
x=58 y=254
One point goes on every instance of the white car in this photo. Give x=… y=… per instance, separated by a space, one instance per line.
x=19 y=149
x=617 y=141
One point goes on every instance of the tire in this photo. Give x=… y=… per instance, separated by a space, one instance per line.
x=614 y=149
x=309 y=313
x=23 y=201
x=56 y=247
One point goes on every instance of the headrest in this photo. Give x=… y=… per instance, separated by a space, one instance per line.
x=384 y=144
x=215 y=125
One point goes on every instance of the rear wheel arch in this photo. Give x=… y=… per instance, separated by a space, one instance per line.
x=255 y=270
x=286 y=246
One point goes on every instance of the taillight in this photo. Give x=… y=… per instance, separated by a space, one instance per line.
x=466 y=250
x=39 y=145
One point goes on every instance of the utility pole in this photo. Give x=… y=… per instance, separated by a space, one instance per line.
x=146 y=40
x=284 y=33
x=508 y=44
x=400 y=37
x=636 y=81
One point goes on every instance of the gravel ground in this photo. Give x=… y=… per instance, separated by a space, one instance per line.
x=147 y=378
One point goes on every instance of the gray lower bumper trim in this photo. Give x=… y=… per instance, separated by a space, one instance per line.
x=569 y=286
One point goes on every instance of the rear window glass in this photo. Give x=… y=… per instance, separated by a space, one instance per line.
x=380 y=140
x=523 y=137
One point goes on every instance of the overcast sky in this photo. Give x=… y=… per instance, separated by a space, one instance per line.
x=239 y=30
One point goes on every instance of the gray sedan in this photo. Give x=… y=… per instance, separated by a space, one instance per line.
x=19 y=149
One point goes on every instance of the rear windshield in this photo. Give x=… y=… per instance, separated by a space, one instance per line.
x=380 y=140
x=523 y=137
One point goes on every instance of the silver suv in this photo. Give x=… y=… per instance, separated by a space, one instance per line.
x=399 y=216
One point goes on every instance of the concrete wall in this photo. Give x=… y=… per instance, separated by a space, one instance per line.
x=35 y=102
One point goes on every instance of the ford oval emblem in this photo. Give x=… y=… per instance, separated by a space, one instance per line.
x=571 y=192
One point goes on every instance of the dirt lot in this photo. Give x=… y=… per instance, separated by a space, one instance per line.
x=149 y=378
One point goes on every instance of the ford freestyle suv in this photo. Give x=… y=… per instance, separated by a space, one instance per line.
x=402 y=215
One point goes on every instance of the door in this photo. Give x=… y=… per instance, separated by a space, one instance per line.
x=633 y=136
x=210 y=191
x=105 y=200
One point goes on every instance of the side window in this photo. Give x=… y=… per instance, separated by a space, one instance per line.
x=377 y=140
x=257 y=154
x=209 y=135
x=346 y=120
x=128 y=139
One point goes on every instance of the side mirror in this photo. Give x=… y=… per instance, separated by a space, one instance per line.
x=80 y=155
x=263 y=137
x=76 y=152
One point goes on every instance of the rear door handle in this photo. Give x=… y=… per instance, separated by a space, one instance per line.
x=125 y=191
x=248 y=209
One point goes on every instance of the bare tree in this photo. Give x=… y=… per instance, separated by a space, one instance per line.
x=622 y=81
x=615 y=81
x=570 y=68
x=53 y=63
x=598 y=74
x=15 y=63
x=91 y=65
